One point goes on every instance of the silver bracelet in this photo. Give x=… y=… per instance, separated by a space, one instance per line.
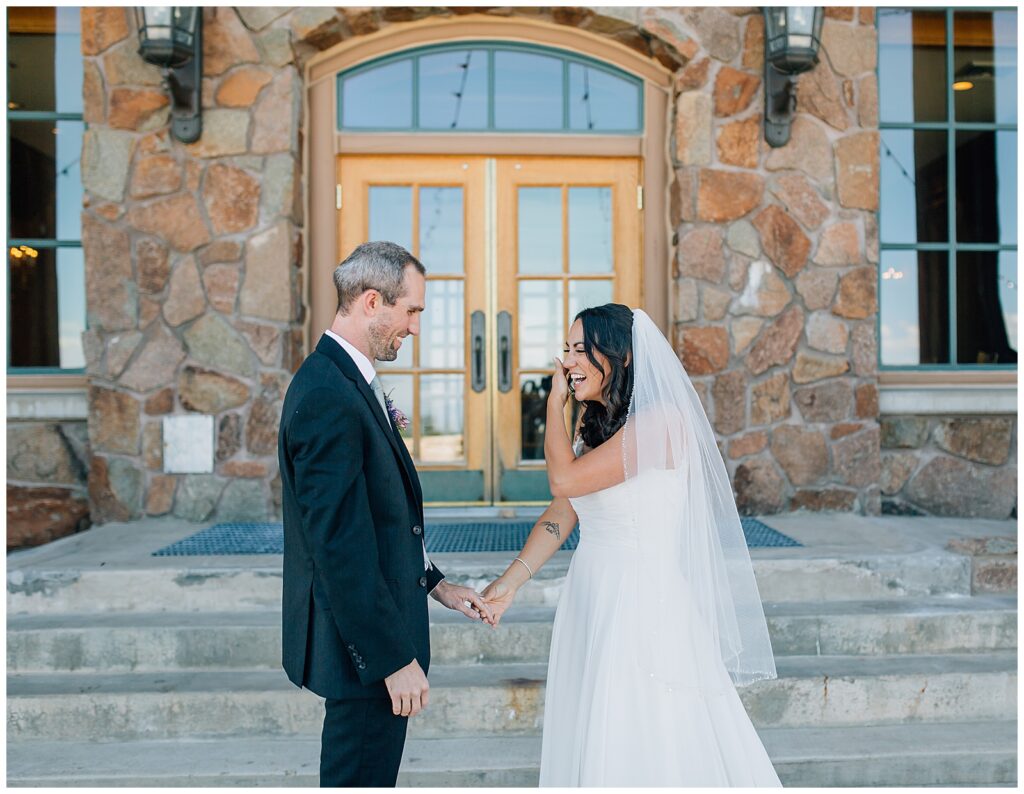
x=520 y=559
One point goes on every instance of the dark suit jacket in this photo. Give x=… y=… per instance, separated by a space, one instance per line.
x=355 y=588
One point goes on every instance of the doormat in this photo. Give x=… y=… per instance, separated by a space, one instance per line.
x=453 y=537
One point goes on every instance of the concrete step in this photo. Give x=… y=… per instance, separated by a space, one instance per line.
x=205 y=584
x=915 y=625
x=118 y=641
x=785 y=575
x=916 y=754
x=906 y=755
x=472 y=699
x=488 y=761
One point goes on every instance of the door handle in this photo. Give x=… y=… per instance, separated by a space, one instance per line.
x=504 y=352
x=478 y=337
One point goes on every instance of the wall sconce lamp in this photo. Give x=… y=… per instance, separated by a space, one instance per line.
x=792 y=38
x=171 y=37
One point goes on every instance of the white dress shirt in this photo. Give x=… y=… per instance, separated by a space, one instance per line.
x=364 y=364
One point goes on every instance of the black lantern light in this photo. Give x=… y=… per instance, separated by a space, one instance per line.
x=792 y=38
x=172 y=37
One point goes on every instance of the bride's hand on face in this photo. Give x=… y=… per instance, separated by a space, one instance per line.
x=559 y=383
x=498 y=596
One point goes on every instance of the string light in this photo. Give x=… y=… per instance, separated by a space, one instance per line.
x=462 y=88
x=586 y=96
x=66 y=169
x=23 y=262
x=899 y=165
x=23 y=252
x=893 y=274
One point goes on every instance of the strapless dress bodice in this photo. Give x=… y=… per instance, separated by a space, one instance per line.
x=605 y=516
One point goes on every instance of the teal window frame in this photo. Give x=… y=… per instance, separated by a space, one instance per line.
x=44 y=243
x=951 y=247
x=567 y=58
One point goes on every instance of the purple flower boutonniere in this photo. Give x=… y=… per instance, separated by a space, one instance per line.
x=401 y=420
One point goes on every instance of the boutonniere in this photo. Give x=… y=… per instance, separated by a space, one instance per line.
x=401 y=420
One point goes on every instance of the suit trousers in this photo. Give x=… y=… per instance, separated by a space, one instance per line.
x=362 y=744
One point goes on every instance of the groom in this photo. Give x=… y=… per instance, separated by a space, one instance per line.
x=356 y=571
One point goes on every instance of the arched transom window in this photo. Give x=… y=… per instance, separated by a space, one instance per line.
x=489 y=87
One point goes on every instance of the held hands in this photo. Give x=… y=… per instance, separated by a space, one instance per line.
x=463 y=599
x=559 y=384
x=408 y=689
x=499 y=595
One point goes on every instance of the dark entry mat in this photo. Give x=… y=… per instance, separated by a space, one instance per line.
x=465 y=536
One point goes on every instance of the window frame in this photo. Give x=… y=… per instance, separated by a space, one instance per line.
x=491 y=46
x=57 y=376
x=951 y=247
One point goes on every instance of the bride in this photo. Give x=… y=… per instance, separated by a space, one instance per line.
x=660 y=618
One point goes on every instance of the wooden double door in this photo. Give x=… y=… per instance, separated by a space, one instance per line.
x=513 y=247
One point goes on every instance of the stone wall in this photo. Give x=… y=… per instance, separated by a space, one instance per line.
x=192 y=264
x=776 y=262
x=47 y=468
x=949 y=466
x=193 y=253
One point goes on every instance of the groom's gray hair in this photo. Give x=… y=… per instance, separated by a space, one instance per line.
x=377 y=265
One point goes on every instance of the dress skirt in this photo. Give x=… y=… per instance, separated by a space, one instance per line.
x=607 y=723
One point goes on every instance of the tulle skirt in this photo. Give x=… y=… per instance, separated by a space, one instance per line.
x=606 y=723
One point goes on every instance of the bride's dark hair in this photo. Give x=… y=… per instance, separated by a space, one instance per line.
x=609 y=330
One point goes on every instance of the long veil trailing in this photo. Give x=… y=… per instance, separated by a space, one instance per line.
x=696 y=582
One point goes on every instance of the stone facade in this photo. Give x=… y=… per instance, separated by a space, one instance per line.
x=949 y=465
x=193 y=252
x=194 y=282
x=47 y=470
x=192 y=263
x=776 y=262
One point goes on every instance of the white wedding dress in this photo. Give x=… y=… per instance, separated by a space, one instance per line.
x=608 y=723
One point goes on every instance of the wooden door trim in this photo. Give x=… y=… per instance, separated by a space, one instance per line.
x=323 y=143
x=470 y=27
x=490 y=144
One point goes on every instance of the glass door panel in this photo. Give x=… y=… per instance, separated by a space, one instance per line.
x=590 y=230
x=442 y=234
x=539 y=213
x=588 y=293
x=540 y=323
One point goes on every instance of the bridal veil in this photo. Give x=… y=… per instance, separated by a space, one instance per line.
x=695 y=574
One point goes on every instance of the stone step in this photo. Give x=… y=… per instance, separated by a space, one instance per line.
x=792 y=575
x=983 y=753
x=117 y=641
x=914 y=625
x=783 y=575
x=472 y=699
